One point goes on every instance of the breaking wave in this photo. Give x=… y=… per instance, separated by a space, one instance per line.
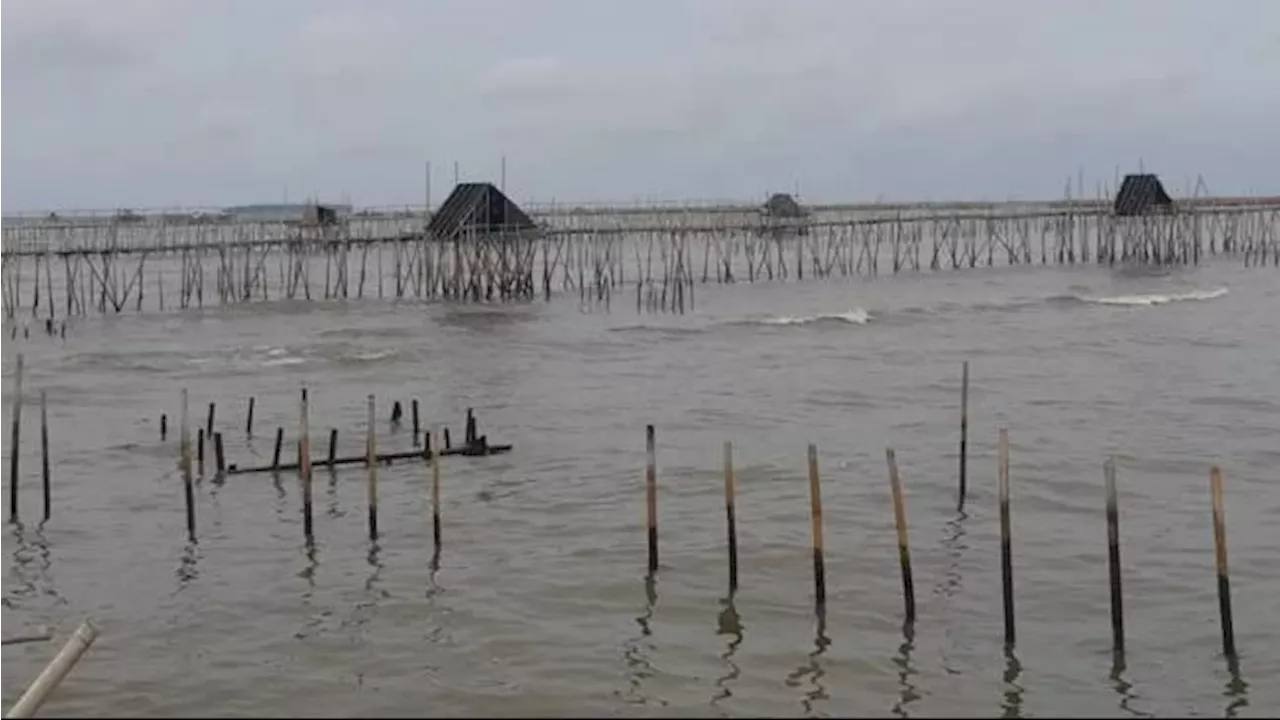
x=856 y=316
x=1155 y=298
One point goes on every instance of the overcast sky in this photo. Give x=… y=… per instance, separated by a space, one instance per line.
x=116 y=103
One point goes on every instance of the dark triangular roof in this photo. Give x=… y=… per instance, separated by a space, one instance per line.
x=1140 y=194
x=784 y=206
x=478 y=207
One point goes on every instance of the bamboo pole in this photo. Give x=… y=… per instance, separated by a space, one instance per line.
x=304 y=470
x=219 y=461
x=1113 y=556
x=731 y=516
x=964 y=435
x=435 y=492
x=248 y=420
x=14 y=440
x=55 y=672
x=900 y=520
x=1006 y=543
x=44 y=455
x=185 y=450
x=815 y=500
x=371 y=455
x=1220 y=560
x=651 y=494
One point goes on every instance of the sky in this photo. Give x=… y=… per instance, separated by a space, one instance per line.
x=196 y=103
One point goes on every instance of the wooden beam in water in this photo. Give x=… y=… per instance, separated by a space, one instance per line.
x=423 y=454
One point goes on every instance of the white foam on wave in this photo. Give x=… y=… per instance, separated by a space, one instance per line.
x=1157 y=298
x=283 y=361
x=856 y=316
x=371 y=356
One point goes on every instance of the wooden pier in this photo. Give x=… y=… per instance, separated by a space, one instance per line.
x=58 y=268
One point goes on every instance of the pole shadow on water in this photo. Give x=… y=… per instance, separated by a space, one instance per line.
x=728 y=623
x=907 y=691
x=813 y=670
x=637 y=648
x=32 y=563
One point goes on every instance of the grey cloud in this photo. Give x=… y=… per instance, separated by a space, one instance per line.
x=181 y=102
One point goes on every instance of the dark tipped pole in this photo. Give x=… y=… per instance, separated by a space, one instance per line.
x=470 y=428
x=650 y=493
x=14 y=438
x=417 y=429
x=188 y=491
x=248 y=418
x=964 y=435
x=815 y=500
x=208 y=428
x=200 y=450
x=44 y=455
x=900 y=520
x=304 y=465
x=1220 y=558
x=275 y=454
x=219 y=463
x=1006 y=542
x=730 y=513
x=397 y=413
x=371 y=454
x=447 y=443
x=1113 y=556
x=333 y=445
x=164 y=427
x=435 y=496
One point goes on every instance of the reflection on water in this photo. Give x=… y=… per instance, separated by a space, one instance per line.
x=728 y=623
x=1012 y=702
x=907 y=692
x=812 y=669
x=188 y=570
x=1237 y=689
x=638 y=648
x=952 y=584
x=32 y=566
x=1122 y=686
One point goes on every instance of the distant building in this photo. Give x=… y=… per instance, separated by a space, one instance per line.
x=1141 y=195
x=302 y=213
x=782 y=205
x=783 y=216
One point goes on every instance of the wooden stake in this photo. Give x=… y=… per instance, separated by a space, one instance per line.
x=185 y=450
x=417 y=429
x=900 y=519
x=435 y=494
x=248 y=419
x=371 y=454
x=964 y=435
x=1220 y=558
x=1113 y=555
x=44 y=455
x=333 y=445
x=815 y=498
x=200 y=451
x=164 y=427
x=219 y=464
x=1006 y=543
x=731 y=516
x=275 y=455
x=14 y=441
x=304 y=432
x=208 y=430
x=651 y=493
